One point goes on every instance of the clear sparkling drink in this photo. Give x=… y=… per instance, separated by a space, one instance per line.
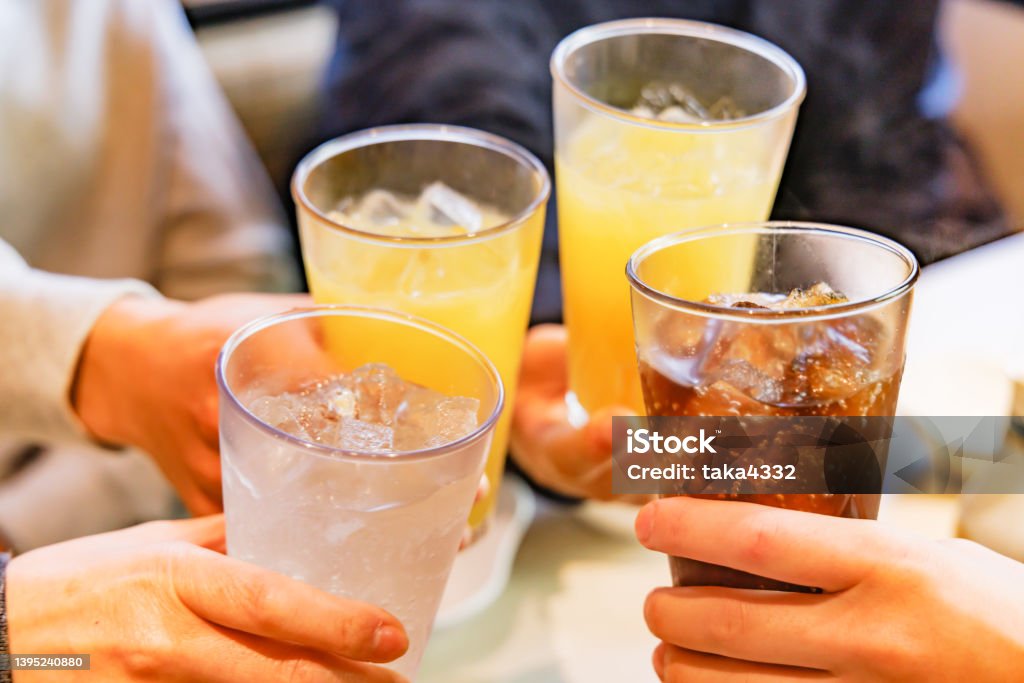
x=341 y=472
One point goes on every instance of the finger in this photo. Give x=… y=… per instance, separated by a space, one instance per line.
x=295 y=300
x=797 y=547
x=198 y=502
x=304 y=343
x=207 y=417
x=201 y=481
x=207 y=532
x=696 y=667
x=196 y=484
x=760 y=626
x=598 y=431
x=247 y=598
x=658 y=660
x=211 y=535
x=559 y=455
x=222 y=655
x=544 y=366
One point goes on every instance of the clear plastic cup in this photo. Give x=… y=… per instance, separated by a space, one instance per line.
x=479 y=284
x=715 y=359
x=624 y=179
x=381 y=528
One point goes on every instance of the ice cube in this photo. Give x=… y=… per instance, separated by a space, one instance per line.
x=752 y=300
x=439 y=211
x=725 y=109
x=687 y=101
x=342 y=401
x=447 y=208
x=378 y=391
x=676 y=114
x=675 y=103
x=371 y=409
x=818 y=294
x=750 y=380
x=428 y=418
x=287 y=412
x=356 y=435
x=323 y=413
x=656 y=95
x=644 y=111
x=380 y=208
x=805 y=362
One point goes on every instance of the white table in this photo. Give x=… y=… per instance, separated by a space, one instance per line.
x=572 y=612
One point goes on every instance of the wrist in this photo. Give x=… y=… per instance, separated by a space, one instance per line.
x=112 y=365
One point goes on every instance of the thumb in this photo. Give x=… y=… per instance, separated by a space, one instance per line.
x=253 y=600
x=597 y=433
x=544 y=366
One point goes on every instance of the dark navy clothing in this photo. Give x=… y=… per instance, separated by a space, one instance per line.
x=864 y=153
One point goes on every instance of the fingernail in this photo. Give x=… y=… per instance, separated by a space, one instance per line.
x=388 y=639
x=644 y=525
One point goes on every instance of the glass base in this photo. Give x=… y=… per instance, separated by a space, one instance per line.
x=477 y=532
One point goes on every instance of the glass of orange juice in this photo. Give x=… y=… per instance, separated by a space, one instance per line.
x=440 y=222
x=660 y=125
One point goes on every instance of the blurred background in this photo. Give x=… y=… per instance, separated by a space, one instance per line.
x=271 y=58
x=910 y=127
x=155 y=139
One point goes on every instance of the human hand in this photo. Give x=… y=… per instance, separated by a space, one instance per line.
x=896 y=607
x=146 y=379
x=575 y=461
x=156 y=602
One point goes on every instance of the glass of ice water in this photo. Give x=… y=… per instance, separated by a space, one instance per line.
x=352 y=445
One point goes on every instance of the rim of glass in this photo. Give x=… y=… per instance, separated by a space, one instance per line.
x=772 y=228
x=334 y=310
x=420 y=131
x=689 y=29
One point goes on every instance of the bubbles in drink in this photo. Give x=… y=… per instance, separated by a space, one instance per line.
x=674 y=103
x=438 y=211
x=370 y=409
x=818 y=294
x=704 y=366
x=382 y=530
x=723 y=366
